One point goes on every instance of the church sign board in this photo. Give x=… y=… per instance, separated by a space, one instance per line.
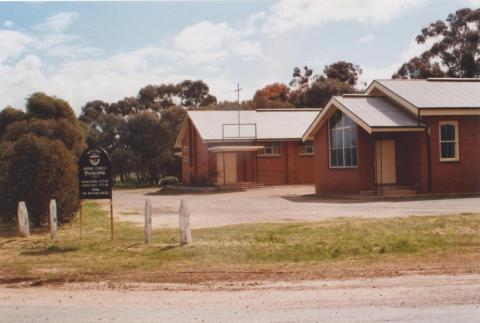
x=95 y=174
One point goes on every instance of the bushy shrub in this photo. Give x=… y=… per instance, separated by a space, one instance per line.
x=36 y=169
x=42 y=106
x=169 y=180
x=69 y=133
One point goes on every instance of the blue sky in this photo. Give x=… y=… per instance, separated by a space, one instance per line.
x=85 y=51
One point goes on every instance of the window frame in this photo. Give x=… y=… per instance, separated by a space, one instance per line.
x=272 y=143
x=302 y=148
x=355 y=126
x=457 y=141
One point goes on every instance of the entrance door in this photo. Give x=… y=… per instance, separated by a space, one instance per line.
x=385 y=162
x=226 y=168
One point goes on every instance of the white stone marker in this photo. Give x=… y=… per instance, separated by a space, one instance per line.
x=184 y=221
x=148 y=221
x=22 y=220
x=53 y=219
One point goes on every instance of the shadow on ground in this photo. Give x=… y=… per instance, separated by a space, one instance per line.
x=345 y=199
x=49 y=251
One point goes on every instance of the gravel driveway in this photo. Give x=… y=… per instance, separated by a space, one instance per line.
x=273 y=204
x=399 y=299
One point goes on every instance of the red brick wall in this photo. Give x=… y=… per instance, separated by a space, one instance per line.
x=195 y=157
x=272 y=169
x=412 y=160
x=212 y=166
x=186 y=160
x=343 y=180
x=288 y=168
x=456 y=176
x=304 y=169
x=201 y=158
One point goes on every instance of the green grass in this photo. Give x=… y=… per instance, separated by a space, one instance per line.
x=238 y=247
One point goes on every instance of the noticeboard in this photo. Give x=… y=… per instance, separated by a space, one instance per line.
x=95 y=174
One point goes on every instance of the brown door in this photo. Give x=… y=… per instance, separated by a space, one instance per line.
x=226 y=168
x=385 y=162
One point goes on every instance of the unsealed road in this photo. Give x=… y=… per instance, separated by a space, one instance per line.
x=273 y=204
x=407 y=298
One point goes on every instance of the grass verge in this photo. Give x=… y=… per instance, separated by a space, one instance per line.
x=333 y=248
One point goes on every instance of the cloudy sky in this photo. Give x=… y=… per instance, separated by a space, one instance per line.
x=85 y=51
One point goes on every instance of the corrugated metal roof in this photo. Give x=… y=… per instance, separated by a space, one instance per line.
x=437 y=93
x=377 y=111
x=270 y=125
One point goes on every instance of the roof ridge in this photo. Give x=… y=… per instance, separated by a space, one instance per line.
x=357 y=95
x=288 y=110
x=453 y=79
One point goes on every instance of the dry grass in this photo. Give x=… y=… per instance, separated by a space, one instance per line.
x=294 y=250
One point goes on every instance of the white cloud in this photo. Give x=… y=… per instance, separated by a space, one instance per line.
x=368 y=38
x=289 y=15
x=20 y=79
x=207 y=41
x=471 y=3
x=220 y=53
x=110 y=78
x=8 y=24
x=73 y=51
x=13 y=44
x=204 y=36
x=46 y=38
x=59 y=22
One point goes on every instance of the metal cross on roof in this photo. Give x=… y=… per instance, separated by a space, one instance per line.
x=238 y=105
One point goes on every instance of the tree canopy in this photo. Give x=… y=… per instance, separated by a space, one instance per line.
x=314 y=91
x=273 y=96
x=38 y=152
x=344 y=72
x=455 y=51
x=123 y=128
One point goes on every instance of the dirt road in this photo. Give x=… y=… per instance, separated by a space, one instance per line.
x=273 y=204
x=405 y=298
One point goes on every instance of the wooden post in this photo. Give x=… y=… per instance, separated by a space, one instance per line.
x=184 y=222
x=81 y=219
x=148 y=221
x=23 y=224
x=53 y=219
x=111 y=219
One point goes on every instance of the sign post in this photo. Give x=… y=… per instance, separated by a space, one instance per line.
x=53 y=219
x=95 y=180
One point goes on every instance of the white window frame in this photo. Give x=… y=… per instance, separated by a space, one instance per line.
x=343 y=138
x=303 y=150
x=272 y=154
x=457 y=139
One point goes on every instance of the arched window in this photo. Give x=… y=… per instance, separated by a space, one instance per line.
x=343 y=141
x=448 y=140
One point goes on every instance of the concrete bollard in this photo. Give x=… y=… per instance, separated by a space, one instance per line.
x=23 y=224
x=184 y=222
x=53 y=219
x=148 y=221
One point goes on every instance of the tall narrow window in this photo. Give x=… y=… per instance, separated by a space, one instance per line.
x=449 y=141
x=343 y=141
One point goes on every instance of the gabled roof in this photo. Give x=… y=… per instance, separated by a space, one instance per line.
x=268 y=124
x=434 y=93
x=370 y=112
x=377 y=111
